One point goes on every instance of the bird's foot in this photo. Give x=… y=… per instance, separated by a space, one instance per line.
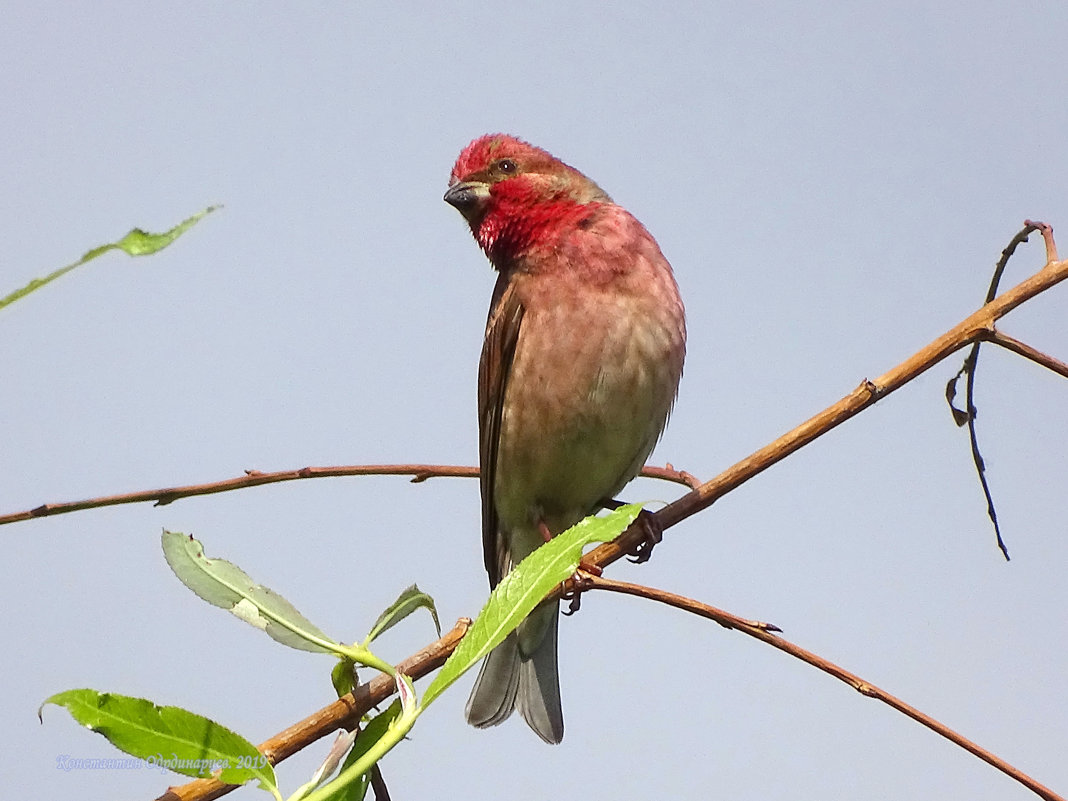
x=578 y=584
x=652 y=534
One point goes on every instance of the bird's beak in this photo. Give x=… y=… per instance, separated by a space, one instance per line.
x=468 y=197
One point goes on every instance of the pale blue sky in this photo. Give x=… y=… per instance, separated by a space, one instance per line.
x=832 y=186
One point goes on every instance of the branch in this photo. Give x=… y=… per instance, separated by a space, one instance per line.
x=973 y=328
x=764 y=633
x=347 y=710
x=254 y=478
x=1025 y=350
x=971 y=361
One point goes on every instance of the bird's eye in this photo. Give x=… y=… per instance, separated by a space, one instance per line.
x=507 y=166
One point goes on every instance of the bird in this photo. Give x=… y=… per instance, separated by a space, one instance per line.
x=583 y=353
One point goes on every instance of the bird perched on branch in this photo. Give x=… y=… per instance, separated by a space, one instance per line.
x=579 y=370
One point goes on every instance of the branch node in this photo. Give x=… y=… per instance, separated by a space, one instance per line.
x=1047 y=236
x=864 y=688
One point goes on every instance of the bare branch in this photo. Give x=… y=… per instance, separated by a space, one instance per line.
x=254 y=478
x=1047 y=235
x=866 y=394
x=378 y=784
x=1025 y=350
x=970 y=412
x=764 y=633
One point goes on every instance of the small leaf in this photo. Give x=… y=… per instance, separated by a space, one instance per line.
x=406 y=694
x=960 y=416
x=342 y=744
x=522 y=590
x=343 y=676
x=142 y=243
x=225 y=585
x=169 y=737
x=407 y=602
x=135 y=243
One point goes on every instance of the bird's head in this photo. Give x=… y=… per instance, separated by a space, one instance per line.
x=512 y=194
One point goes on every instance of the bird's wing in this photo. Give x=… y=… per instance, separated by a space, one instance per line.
x=502 y=333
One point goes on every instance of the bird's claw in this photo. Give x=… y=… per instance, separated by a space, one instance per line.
x=652 y=534
x=578 y=584
x=575 y=604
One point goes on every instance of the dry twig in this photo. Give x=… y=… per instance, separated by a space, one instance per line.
x=969 y=413
x=765 y=633
x=255 y=478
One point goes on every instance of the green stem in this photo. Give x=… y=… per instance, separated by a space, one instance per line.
x=361 y=655
x=396 y=732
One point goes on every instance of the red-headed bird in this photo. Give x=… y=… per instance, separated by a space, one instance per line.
x=581 y=362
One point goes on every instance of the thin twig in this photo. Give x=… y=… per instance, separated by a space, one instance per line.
x=378 y=784
x=1047 y=237
x=1025 y=350
x=764 y=633
x=255 y=478
x=971 y=362
x=975 y=326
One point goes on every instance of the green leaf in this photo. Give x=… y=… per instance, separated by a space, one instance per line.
x=407 y=602
x=343 y=676
x=225 y=585
x=169 y=737
x=135 y=243
x=522 y=590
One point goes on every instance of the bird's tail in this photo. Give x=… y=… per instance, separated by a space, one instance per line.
x=516 y=676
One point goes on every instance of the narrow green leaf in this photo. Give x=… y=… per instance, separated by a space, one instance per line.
x=522 y=589
x=225 y=585
x=407 y=602
x=135 y=243
x=169 y=737
x=143 y=243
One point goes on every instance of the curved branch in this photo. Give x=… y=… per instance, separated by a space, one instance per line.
x=971 y=361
